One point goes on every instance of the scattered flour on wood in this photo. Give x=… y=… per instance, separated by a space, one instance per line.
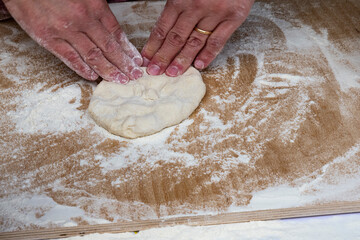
x=51 y=112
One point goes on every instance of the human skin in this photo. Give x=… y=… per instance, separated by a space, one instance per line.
x=84 y=34
x=174 y=45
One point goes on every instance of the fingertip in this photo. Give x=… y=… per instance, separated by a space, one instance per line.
x=137 y=73
x=123 y=80
x=199 y=64
x=172 y=71
x=118 y=78
x=93 y=76
x=146 y=62
x=153 y=70
x=138 y=60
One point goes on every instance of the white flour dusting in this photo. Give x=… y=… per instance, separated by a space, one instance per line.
x=52 y=112
x=48 y=111
x=321 y=228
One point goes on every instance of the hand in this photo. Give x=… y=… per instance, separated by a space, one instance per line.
x=174 y=44
x=84 y=34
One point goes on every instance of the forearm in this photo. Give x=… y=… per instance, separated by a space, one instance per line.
x=4 y=13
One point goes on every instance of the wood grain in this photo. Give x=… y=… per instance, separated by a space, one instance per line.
x=202 y=220
x=278 y=112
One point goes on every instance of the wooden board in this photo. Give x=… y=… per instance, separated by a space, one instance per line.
x=276 y=135
x=225 y=218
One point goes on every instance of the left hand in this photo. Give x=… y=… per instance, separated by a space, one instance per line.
x=174 y=44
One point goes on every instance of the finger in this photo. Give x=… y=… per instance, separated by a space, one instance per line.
x=194 y=44
x=128 y=47
x=166 y=21
x=112 y=26
x=66 y=53
x=94 y=57
x=173 y=43
x=215 y=43
x=113 y=51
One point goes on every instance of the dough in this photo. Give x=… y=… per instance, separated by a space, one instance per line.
x=146 y=105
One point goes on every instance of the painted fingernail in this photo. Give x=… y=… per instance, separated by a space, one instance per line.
x=121 y=78
x=93 y=76
x=138 y=61
x=199 y=64
x=137 y=73
x=153 y=70
x=146 y=62
x=172 y=71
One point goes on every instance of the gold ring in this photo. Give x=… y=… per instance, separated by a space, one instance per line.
x=202 y=31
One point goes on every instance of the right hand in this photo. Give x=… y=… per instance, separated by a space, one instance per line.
x=84 y=34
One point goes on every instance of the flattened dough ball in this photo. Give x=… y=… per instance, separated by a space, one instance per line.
x=147 y=105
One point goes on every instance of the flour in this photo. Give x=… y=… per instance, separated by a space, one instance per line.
x=48 y=111
x=34 y=116
x=345 y=66
x=322 y=228
x=42 y=210
x=230 y=132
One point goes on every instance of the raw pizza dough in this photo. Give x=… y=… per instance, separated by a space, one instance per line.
x=147 y=105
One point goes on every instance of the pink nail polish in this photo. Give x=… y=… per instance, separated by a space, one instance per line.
x=93 y=75
x=138 y=61
x=199 y=64
x=172 y=71
x=121 y=78
x=124 y=81
x=137 y=73
x=153 y=70
x=145 y=62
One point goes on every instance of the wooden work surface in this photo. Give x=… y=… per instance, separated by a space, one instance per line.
x=278 y=130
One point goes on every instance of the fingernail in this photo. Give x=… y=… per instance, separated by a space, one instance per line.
x=121 y=78
x=199 y=64
x=153 y=70
x=137 y=73
x=145 y=62
x=172 y=71
x=138 y=61
x=93 y=76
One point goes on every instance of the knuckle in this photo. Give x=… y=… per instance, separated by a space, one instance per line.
x=113 y=26
x=183 y=60
x=121 y=37
x=215 y=43
x=71 y=56
x=176 y=3
x=43 y=35
x=195 y=42
x=175 y=39
x=161 y=59
x=159 y=32
x=62 y=24
x=238 y=12
x=110 y=46
x=219 y=7
x=209 y=55
x=116 y=31
x=79 y=9
x=93 y=54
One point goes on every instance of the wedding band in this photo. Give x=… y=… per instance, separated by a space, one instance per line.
x=202 y=31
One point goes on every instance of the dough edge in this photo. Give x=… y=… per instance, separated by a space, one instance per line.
x=193 y=80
